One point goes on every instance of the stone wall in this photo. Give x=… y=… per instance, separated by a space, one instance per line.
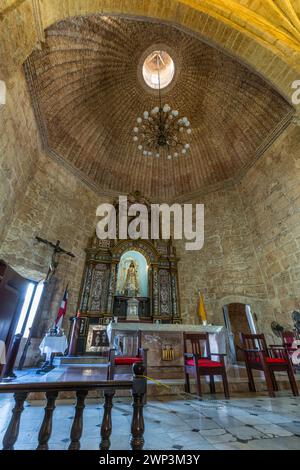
x=251 y=252
x=56 y=205
x=271 y=198
x=252 y=234
x=226 y=270
x=19 y=148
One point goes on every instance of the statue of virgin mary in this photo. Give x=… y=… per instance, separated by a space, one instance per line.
x=131 y=286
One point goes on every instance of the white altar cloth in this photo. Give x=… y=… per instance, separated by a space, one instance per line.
x=53 y=344
x=2 y=352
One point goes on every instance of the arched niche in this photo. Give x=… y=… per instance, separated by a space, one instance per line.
x=135 y=277
x=145 y=247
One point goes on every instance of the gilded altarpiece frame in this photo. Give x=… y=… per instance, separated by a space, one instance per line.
x=98 y=290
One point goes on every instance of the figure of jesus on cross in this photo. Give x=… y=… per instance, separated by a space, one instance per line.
x=57 y=250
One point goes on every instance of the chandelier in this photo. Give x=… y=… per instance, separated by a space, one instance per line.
x=162 y=131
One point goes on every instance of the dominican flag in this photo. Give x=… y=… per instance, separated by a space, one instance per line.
x=62 y=309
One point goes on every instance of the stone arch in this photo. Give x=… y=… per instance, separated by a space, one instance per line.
x=267 y=45
x=257 y=306
x=142 y=246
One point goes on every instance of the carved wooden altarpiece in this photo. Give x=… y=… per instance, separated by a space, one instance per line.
x=99 y=301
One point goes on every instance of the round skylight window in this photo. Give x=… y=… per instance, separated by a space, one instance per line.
x=158 y=66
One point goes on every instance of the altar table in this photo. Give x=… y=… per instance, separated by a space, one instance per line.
x=155 y=337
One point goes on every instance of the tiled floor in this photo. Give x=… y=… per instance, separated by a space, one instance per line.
x=240 y=423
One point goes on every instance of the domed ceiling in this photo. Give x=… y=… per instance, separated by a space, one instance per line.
x=88 y=89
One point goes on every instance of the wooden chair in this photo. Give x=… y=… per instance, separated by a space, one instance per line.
x=198 y=362
x=123 y=363
x=268 y=360
x=288 y=338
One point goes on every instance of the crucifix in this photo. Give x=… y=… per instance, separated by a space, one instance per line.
x=57 y=250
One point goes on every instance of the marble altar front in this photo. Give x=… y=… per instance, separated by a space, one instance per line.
x=161 y=337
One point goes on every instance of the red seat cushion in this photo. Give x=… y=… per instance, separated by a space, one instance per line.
x=204 y=363
x=127 y=361
x=275 y=360
x=271 y=360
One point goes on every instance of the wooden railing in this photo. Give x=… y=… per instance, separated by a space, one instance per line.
x=52 y=389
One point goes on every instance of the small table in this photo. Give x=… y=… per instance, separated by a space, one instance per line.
x=49 y=346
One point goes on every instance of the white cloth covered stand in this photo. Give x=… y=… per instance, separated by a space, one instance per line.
x=53 y=344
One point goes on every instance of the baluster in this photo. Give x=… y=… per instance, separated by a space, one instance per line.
x=77 y=425
x=106 y=426
x=12 y=431
x=46 y=427
x=138 y=393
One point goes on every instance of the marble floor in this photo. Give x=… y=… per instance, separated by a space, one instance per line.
x=243 y=422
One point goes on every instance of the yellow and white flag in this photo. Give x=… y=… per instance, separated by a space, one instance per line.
x=201 y=310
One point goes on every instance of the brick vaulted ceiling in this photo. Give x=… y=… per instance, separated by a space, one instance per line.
x=87 y=91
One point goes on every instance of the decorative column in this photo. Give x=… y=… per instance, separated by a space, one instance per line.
x=150 y=288
x=46 y=427
x=85 y=295
x=174 y=295
x=77 y=425
x=12 y=431
x=155 y=292
x=75 y=326
x=139 y=390
x=106 y=426
x=111 y=288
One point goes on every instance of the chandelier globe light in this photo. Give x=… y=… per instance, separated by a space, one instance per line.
x=162 y=132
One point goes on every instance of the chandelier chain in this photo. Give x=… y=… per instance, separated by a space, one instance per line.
x=162 y=131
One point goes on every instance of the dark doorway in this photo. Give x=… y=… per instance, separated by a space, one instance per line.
x=238 y=318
